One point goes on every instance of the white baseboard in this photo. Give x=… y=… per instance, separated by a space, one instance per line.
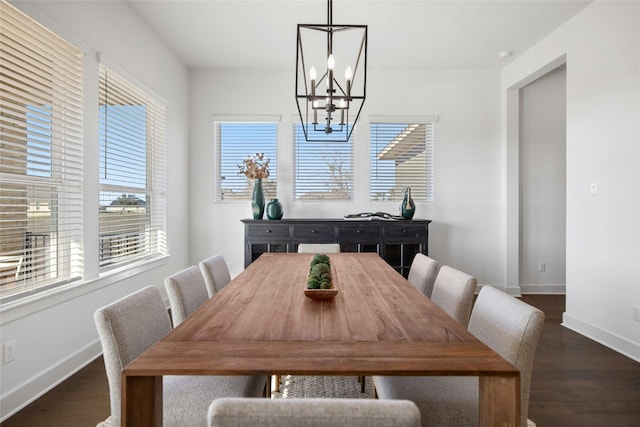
x=552 y=289
x=14 y=400
x=606 y=338
x=516 y=291
x=511 y=290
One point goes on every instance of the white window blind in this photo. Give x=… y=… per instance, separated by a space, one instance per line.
x=40 y=156
x=132 y=172
x=324 y=170
x=402 y=155
x=234 y=141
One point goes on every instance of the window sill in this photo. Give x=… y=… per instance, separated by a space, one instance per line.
x=39 y=301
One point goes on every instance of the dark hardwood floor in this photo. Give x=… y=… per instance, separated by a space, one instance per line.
x=576 y=382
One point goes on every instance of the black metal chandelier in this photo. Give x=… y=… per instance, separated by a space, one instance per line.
x=325 y=102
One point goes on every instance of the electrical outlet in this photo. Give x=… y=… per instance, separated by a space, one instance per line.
x=8 y=352
x=542 y=267
x=635 y=313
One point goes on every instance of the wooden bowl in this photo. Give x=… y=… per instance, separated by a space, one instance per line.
x=320 y=294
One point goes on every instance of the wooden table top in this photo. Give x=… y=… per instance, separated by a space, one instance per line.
x=262 y=323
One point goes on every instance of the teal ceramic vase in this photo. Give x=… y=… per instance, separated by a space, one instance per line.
x=274 y=209
x=257 y=201
x=408 y=208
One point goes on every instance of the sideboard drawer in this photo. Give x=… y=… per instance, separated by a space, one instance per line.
x=270 y=230
x=405 y=232
x=315 y=232
x=359 y=233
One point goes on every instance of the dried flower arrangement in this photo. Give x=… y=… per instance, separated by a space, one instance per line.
x=255 y=167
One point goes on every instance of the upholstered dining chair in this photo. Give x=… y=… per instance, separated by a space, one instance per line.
x=186 y=291
x=132 y=324
x=216 y=273
x=423 y=273
x=316 y=412
x=507 y=325
x=325 y=248
x=453 y=291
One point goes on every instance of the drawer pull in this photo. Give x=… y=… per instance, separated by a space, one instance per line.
x=268 y=231
x=357 y=231
x=314 y=231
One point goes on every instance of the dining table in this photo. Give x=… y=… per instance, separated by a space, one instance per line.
x=377 y=323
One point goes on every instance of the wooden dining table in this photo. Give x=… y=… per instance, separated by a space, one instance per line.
x=262 y=323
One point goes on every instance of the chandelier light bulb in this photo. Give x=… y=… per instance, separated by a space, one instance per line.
x=312 y=73
x=331 y=63
x=348 y=74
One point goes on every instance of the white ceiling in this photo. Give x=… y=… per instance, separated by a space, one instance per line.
x=402 y=33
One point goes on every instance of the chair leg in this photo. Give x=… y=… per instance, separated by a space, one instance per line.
x=276 y=386
x=363 y=383
x=267 y=389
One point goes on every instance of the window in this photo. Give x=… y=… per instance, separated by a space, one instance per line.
x=132 y=172
x=41 y=156
x=234 y=141
x=324 y=170
x=401 y=156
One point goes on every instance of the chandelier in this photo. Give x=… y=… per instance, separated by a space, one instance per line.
x=329 y=105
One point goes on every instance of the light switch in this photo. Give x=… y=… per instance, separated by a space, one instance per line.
x=594 y=188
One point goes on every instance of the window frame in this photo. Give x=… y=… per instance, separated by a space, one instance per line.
x=429 y=163
x=270 y=185
x=43 y=156
x=297 y=136
x=150 y=243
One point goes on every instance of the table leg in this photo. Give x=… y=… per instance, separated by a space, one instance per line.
x=141 y=401
x=500 y=401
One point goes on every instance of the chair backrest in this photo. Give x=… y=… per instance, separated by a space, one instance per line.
x=216 y=273
x=423 y=272
x=317 y=412
x=128 y=327
x=186 y=291
x=511 y=328
x=453 y=291
x=324 y=248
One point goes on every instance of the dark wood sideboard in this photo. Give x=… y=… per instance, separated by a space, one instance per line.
x=396 y=241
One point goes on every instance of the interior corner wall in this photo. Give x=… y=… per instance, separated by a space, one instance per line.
x=543 y=184
x=54 y=331
x=603 y=147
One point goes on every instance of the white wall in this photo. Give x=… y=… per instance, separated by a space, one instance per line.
x=465 y=213
x=603 y=147
x=54 y=332
x=543 y=194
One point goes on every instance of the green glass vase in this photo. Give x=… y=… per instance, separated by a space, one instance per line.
x=408 y=207
x=274 y=209
x=257 y=201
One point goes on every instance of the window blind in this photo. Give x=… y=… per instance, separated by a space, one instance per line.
x=324 y=170
x=132 y=172
x=402 y=155
x=41 y=156
x=234 y=141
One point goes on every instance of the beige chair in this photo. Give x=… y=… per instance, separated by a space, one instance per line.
x=128 y=327
x=216 y=273
x=186 y=291
x=423 y=273
x=507 y=325
x=319 y=248
x=315 y=412
x=453 y=291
